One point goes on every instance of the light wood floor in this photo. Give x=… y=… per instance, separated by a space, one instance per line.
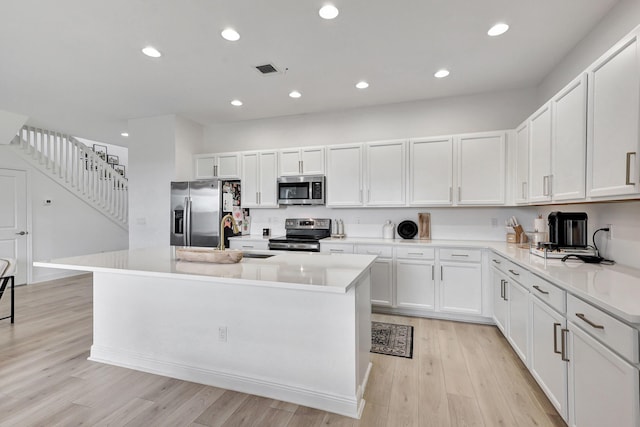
x=461 y=375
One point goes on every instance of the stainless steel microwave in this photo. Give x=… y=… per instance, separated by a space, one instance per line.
x=301 y=190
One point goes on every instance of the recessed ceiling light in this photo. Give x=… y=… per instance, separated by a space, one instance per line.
x=236 y=103
x=328 y=11
x=498 y=29
x=230 y=34
x=295 y=94
x=125 y=134
x=441 y=73
x=362 y=85
x=152 y=52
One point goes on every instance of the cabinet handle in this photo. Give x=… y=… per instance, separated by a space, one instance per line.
x=441 y=274
x=368 y=195
x=460 y=255
x=496 y=261
x=336 y=250
x=545 y=185
x=415 y=253
x=502 y=288
x=505 y=291
x=514 y=273
x=300 y=166
x=563 y=344
x=433 y=274
x=450 y=194
x=628 y=175
x=555 y=338
x=360 y=195
x=248 y=246
x=459 y=193
x=582 y=317
x=537 y=288
x=524 y=183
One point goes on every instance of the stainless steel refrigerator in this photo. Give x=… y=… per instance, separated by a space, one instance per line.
x=197 y=209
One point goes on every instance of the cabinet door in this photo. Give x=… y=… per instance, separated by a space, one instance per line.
x=603 y=387
x=540 y=155
x=381 y=282
x=481 y=169
x=249 y=193
x=546 y=364
x=312 y=159
x=518 y=308
x=204 y=166
x=521 y=189
x=228 y=166
x=344 y=175
x=430 y=171
x=290 y=162
x=499 y=300
x=415 y=284
x=461 y=288
x=268 y=179
x=613 y=114
x=385 y=173
x=569 y=147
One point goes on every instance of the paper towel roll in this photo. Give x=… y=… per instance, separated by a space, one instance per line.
x=540 y=224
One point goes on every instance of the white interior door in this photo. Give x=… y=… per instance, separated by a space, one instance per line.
x=13 y=219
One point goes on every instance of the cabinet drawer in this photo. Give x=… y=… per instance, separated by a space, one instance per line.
x=339 y=248
x=380 y=250
x=620 y=337
x=499 y=262
x=470 y=255
x=249 y=244
x=417 y=252
x=547 y=292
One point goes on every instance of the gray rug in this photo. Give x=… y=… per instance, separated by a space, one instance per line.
x=392 y=340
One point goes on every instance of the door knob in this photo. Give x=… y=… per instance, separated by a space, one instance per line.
x=22 y=233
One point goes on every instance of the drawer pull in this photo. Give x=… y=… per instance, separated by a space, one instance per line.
x=461 y=255
x=563 y=345
x=537 y=288
x=514 y=273
x=416 y=253
x=336 y=250
x=247 y=246
x=496 y=261
x=555 y=338
x=589 y=322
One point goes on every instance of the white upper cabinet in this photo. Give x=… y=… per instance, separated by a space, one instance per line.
x=481 y=163
x=302 y=161
x=223 y=165
x=430 y=171
x=540 y=155
x=569 y=141
x=385 y=173
x=521 y=188
x=613 y=118
x=259 y=179
x=344 y=175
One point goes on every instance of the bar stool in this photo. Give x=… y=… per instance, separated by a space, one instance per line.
x=7 y=275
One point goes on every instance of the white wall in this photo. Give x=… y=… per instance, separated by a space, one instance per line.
x=67 y=227
x=482 y=112
x=622 y=18
x=188 y=140
x=152 y=161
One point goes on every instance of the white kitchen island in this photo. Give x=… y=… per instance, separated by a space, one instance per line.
x=293 y=327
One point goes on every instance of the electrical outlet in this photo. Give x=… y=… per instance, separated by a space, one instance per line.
x=222 y=334
x=494 y=222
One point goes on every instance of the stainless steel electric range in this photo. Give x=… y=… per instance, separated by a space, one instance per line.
x=302 y=234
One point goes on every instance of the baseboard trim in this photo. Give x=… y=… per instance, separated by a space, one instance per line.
x=343 y=405
x=434 y=315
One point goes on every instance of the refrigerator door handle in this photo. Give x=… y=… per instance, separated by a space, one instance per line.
x=187 y=221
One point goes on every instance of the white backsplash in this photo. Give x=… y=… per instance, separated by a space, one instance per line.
x=467 y=223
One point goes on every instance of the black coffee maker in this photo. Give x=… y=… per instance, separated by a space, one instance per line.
x=568 y=229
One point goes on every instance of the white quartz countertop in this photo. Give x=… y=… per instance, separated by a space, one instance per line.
x=319 y=272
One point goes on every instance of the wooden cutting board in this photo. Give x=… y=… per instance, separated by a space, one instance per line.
x=424 y=226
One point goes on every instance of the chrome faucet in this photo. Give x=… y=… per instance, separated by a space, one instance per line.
x=234 y=224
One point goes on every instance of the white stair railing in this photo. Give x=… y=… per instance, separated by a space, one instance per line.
x=73 y=164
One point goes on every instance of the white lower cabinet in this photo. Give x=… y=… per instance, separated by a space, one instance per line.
x=547 y=353
x=603 y=387
x=460 y=287
x=518 y=313
x=500 y=306
x=381 y=273
x=257 y=244
x=415 y=284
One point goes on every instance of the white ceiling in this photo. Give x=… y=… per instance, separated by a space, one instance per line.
x=76 y=66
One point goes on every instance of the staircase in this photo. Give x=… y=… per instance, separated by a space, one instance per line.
x=76 y=167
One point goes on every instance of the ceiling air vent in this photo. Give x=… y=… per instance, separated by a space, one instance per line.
x=267 y=69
